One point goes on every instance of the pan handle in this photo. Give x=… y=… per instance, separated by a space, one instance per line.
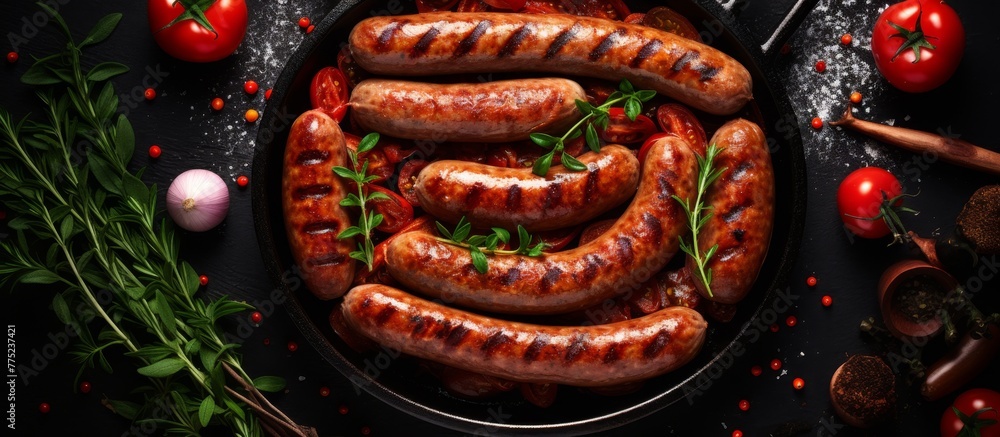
x=789 y=24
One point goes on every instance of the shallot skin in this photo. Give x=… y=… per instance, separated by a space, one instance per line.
x=198 y=200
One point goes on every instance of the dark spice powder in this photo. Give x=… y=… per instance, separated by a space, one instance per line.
x=865 y=389
x=979 y=221
x=919 y=298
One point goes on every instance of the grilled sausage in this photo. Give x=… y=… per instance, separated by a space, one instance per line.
x=490 y=196
x=311 y=195
x=507 y=110
x=444 y=42
x=742 y=202
x=600 y=355
x=639 y=244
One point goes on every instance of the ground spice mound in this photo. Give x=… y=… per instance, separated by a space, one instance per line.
x=979 y=221
x=863 y=390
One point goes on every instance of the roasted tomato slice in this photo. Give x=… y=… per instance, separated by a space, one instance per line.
x=328 y=92
x=679 y=120
x=664 y=18
x=396 y=211
x=607 y=9
x=435 y=5
x=473 y=385
x=621 y=130
x=557 y=239
x=378 y=164
x=510 y=5
x=595 y=229
x=635 y=18
x=408 y=178
x=540 y=395
x=502 y=156
x=350 y=69
x=547 y=7
x=649 y=143
x=473 y=6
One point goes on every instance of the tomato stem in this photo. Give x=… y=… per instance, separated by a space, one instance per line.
x=915 y=39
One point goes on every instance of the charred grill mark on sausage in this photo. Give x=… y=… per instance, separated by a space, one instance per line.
x=688 y=57
x=707 y=72
x=593 y=173
x=494 y=341
x=623 y=247
x=321 y=227
x=606 y=44
x=419 y=325
x=327 y=260
x=421 y=47
x=387 y=34
x=513 y=197
x=613 y=354
x=561 y=40
x=647 y=50
x=550 y=278
x=515 y=40
x=315 y=191
x=531 y=352
x=457 y=334
x=385 y=314
x=469 y=42
x=577 y=347
x=312 y=157
x=657 y=344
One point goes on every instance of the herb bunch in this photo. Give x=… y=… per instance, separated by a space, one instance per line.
x=87 y=223
x=698 y=214
x=594 y=117
x=480 y=245
x=367 y=220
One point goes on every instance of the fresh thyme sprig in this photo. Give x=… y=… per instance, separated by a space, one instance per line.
x=598 y=116
x=367 y=220
x=480 y=245
x=699 y=213
x=87 y=224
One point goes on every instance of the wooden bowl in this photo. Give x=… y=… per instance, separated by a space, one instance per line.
x=894 y=279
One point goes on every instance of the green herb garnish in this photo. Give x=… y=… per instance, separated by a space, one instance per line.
x=480 y=245
x=699 y=213
x=367 y=220
x=88 y=225
x=598 y=117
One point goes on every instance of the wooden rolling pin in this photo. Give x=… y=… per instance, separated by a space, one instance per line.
x=951 y=150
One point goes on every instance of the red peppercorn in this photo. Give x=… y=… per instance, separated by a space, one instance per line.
x=251 y=115
x=812 y=281
x=250 y=87
x=846 y=39
x=293 y=346
x=310 y=29
x=827 y=300
x=85 y=387
x=856 y=97
x=44 y=407
x=817 y=123
x=342 y=409
x=150 y=94
x=756 y=371
x=218 y=104
x=267 y=94
x=12 y=57
x=744 y=405
x=256 y=317
x=267 y=342
x=791 y=321
x=304 y=22
x=203 y=280
x=774 y=327
x=242 y=181
x=820 y=66
x=775 y=364
x=155 y=151
x=737 y=433
x=365 y=430
x=798 y=383
x=324 y=391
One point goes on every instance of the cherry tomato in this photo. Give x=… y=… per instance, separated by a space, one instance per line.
x=607 y=9
x=594 y=230
x=984 y=401
x=861 y=195
x=473 y=6
x=378 y=164
x=635 y=18
x=396 y=211
x=189 y=40
x=541 y=395
x=557 y=239
x=679 y=120
x=664 y=18
x=250 y=87
x=512 y=5
x=435 y=5
x=251 y=115
x=408 y=177
x=503 y=156
x=218 y=104
x=621 y=130
x=649 y=143
x=328 y=92
x=12 y=57
x=918 y=44
x=349 y=68
x=149 y=94
x=546 y=7
x=304 y=22
x=846 y=39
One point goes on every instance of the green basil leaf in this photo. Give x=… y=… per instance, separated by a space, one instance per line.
x=502 y=234
x=626 y=87
x=541 y=167
x=632 y=109
x=491 y=241
x=39 y=277
x=479 y=260
x=134 y=188
x=477 y=240
x=165 y=313
x=523 y=239
x=344 y=172
x=107 y=101
x=102 y=30
x=584 y=106
x=572 y=163
x=105 y=71
x=66 y=228
x=368 y=142
x=126 y=409
x=162 y=368
x=462 y=230
x=593 y=140
x=61 y=308
x=443 y=231
x=192 y=281
x=106 y=175
x=544 y=140
x=124 y=140
x=40 y=74
x=206 y=410
x=350 y=232
x=272 y=384
x=645 y=95
x=378 y=195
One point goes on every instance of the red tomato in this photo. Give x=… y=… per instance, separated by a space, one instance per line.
x=862 y=194
x=608 y=9
x=435 y=5
x=984 y=401
x=350 y=68
x=546 y=7
x=664 y=18
x=512 y=5
x=621 y=130
x=328 y=92
x=635 y=18
x=502 y=156
x=396 y=211
x=595 y=229
x=189 y=40
x=408 y=177
x=679 y=120
x=556 y=239
x=649 y=143
x=917 y=44
x=473 y=6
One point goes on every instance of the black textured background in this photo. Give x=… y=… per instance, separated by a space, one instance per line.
x=193 y=136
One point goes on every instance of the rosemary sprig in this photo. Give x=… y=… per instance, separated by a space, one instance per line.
x=598 y=116
x=367 y=220
x=480 y=245
x=699 y=213
x=87 y=223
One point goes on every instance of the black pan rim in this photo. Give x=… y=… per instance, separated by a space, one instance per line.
x=786 y=257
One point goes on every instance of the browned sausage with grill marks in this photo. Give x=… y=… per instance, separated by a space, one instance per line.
x=490 y=196
x=507 y=110
x=742 y=202
x=446 y=42
x=638 y=245
x=599 y=355
x=311 y=195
